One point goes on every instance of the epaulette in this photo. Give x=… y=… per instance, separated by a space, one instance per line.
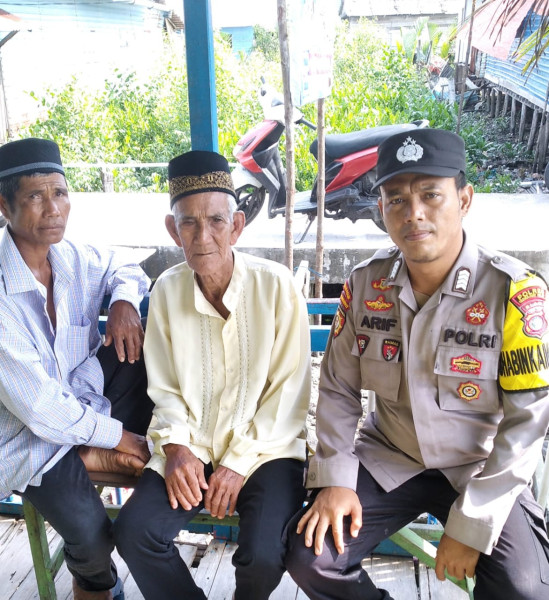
x=511 y=266
x=381 y=254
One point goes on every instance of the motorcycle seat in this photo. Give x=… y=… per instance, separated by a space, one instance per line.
x=343 y=144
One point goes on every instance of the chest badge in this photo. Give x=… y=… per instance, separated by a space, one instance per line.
x=466 y=364
x=469 y=391
x=477 y=314
x=379 y=304
x=362 y=342
x=381 y=284
x=390 y=349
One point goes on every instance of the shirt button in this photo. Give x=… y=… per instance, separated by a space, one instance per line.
x=496 y=259
x=312 y=476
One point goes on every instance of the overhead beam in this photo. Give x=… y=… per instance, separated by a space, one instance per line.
x=201 y=74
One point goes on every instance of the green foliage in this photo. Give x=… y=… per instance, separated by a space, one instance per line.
x=146 y=120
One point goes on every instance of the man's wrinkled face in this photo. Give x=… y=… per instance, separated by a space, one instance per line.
x=39 y=214
x=423 y=215
x=201 y=224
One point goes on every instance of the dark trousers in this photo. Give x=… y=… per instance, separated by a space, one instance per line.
x=66 y=497
x=518 y=567
x=147 y=525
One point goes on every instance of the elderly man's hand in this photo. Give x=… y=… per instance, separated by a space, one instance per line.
x=455 y=558
x=184 y=477
x=328 y=510
x=125 y=329
x=224 y=486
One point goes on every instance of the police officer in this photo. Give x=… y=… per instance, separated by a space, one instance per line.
x=453 y=339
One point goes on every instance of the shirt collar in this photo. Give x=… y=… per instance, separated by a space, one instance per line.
x=232 y=293
x=460 y=281
x=18 y=278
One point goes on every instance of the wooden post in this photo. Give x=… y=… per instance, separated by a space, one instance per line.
x=288 y=111
x=199 y=51
x=498 y=102
x=505 y=105
x=523 y=112
x=467 y=55
x=513 y=115
x=533 y=129
x=320 y=196
x=493 y=94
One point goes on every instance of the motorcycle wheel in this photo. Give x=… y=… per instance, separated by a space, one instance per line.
x=250 y=199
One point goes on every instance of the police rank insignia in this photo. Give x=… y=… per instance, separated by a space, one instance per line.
x=461 y=281
x=381 y=284
x=379 y=304
x=410 y=150
x=339 y=321
x=466 y=364
x=346 y=297
x=468 y=391
x=390 y=349
x=477 y=314
x=362 y=342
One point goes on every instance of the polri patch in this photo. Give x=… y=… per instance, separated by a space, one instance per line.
x=362 y=342
x=390 y=349
x=469 y=391
x=465 y=364
x=379 y=304
x=339 y=321
x=477 y=314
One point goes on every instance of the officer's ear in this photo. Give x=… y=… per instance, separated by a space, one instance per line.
x=465 y=198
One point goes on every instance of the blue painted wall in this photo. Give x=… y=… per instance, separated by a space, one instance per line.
x=242 y=38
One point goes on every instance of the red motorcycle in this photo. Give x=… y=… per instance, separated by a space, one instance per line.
x=350 y=171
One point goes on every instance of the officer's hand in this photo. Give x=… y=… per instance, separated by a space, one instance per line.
x=124 y=327
x=184 y=477
x=455 y=558
x=224 y=486
x=328 y=510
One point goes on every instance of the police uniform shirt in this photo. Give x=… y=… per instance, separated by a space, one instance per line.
x=460 y=382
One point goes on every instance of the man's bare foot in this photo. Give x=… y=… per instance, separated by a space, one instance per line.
x=110 y=461
x=80 y=594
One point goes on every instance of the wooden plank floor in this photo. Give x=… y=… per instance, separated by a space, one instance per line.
x=212 y=570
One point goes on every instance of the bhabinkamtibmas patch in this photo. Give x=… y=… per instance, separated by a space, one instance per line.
x=524 y=360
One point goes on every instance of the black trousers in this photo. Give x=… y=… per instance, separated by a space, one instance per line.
x=145 y=529
x=518 y=567
x=66 y=497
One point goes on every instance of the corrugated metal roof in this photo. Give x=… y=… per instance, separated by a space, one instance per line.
x=508 y=73
x=89 y=14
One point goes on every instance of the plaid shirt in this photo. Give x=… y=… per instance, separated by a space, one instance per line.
x=51 y=382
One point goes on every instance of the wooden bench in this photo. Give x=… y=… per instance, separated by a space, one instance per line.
x=415 y=539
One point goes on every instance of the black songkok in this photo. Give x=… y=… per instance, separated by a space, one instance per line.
x=198 y=171
x=31 y=155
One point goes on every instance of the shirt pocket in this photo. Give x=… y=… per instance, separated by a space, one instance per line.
x=380 y=363
x=467 y=379
x=77 y=343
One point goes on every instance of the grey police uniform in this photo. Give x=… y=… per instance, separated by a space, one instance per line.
x=440 y=403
